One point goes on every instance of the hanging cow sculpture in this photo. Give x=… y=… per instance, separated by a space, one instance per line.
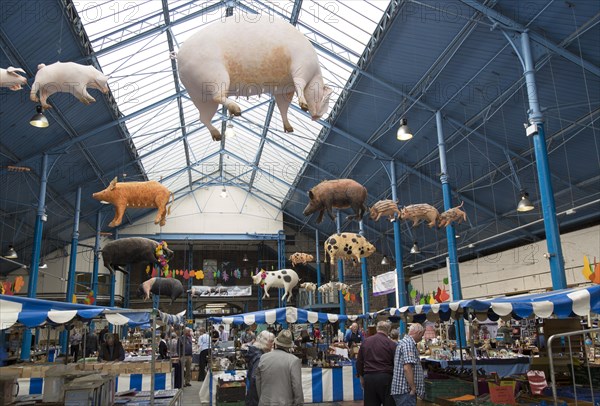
x=247 y=58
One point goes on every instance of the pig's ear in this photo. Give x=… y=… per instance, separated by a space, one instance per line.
x=311 y=195
x=113 y=183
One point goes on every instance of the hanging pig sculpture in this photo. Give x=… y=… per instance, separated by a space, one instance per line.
x=339 y=194
x=67 y=77
x=133 y=250
x=348 y=246
x=450 y=215
x=11 y=79
x=300 y=258
x=384 y=208
x=169 y=287
x=420 y=212
x=247 y=58
x=138 y=195
x=283 y=278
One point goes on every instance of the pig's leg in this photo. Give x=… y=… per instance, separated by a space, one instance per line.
x=283 y=103
x=330 y=213
x=82 y=95
x=207 y=109
x=161 y=216
x=43 y=97
x=220 y=94
x=119 y=212
x=300 y=84
x=320 y=218
x=33 y=94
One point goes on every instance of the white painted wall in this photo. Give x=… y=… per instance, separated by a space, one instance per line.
x=206 y=212
x=518 y=270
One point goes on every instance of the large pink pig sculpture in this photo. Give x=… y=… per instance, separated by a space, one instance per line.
x=68 y=77
x=249 y=58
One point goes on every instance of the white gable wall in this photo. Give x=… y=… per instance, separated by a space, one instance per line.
x=206 y=212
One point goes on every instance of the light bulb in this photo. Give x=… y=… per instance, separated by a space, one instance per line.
x=229 y=131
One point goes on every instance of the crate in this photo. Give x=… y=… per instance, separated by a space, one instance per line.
x=446 y=388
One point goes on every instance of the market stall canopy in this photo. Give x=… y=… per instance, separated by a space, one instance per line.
x=36 y=312
x=284 y=315
x=560 y=303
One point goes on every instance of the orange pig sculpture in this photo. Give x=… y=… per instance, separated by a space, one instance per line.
x=141 y=195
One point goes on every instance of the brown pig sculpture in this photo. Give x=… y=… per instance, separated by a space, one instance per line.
x=384 y=208
x=450 y=215
x=339 y=194
x=136 y=194
x=420 y=212
x=67 y=77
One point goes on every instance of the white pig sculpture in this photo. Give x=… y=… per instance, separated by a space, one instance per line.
x=11 y=79
x=249 y=58
x=68 y=77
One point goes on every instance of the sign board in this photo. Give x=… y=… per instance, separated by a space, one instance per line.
x=221 y=291
x=384 y=284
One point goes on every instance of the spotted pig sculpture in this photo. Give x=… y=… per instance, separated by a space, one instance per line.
x=67 y=77
x=169 y=287
x=309 y=286
x=420 y=212
x=300 y=258
x=348 y=246
x=283 y=278
x=11 y=79
x=450 y=215
x=131 y=250
x=339 y=194
x=136 y=194
x=246 y=58
x=384 y=208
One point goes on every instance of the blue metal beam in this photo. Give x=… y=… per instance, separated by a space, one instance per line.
x=261 y=144
x=340 y=265
x=500 y=18
x=206 y=237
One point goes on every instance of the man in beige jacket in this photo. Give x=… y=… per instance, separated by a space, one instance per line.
x=279 y=375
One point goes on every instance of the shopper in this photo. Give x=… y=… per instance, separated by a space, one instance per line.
x=112 y=349
x=394 y=335
x=204 y=345
x=262 y=344
x=101 y=338
x=408 y=381
x=75 y=341
x=278 y=375
x=185 y=354
x=375 y=366
x=163 y=350
x=353 y=335
x=172 y=345
x=223 y=335
x=91 y=344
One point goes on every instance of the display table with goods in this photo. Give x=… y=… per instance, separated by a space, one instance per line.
x=564 y=304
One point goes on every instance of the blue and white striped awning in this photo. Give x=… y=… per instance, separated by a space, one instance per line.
x=37 y=312
x=284 y=315
x=560 y=303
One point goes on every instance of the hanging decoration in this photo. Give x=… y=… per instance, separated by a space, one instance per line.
x=74 y=299
x=591 y=273
x=263 y=276
x=89 y=299
x=12 y=287
x=199 y=275
x=186 y=275
x=245 y=273
x=7 y=288
x=237 y=274
x=19 y=283
x=225 y=276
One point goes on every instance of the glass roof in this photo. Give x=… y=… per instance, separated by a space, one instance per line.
x=131 y=42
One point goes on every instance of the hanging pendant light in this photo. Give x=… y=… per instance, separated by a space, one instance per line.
x=385 y=261
x=39 y=119
x=11 y=253
x=525 y=204
x=245 y=258
x=415 y=249
x=223 y=193
x=229 y=130
x=404 y=133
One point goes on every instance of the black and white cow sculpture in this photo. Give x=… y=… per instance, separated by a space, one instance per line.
x=283 y=278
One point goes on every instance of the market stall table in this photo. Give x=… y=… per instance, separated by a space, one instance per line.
x=318 y=384
x=502 y=366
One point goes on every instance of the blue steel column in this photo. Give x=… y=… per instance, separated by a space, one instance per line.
x=72 y=264
x=94 y=286
x=126 y=291
x=536 y=117
x=318 y=258
x=450 y=233
x=365 y=279
x=258 y=287
x=400 y=284
x=338 y=224
x=35 y=253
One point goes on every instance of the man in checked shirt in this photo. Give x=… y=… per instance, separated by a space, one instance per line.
x=408 y=382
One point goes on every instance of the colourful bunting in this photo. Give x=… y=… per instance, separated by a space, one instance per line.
x=225 y=276
x=186 y=275
x=19 y=283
